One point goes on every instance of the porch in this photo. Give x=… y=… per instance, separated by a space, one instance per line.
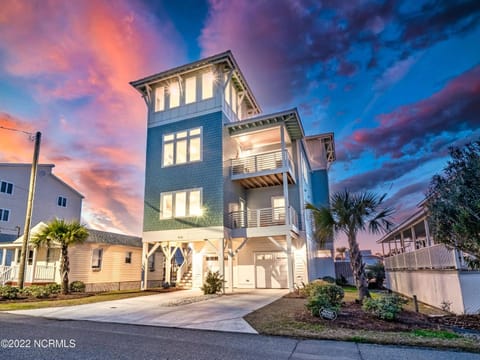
x=33 y=274
x=253 y=218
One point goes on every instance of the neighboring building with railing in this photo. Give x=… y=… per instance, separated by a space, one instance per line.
x=436 y=274
x=228 y=186
x=105 y=261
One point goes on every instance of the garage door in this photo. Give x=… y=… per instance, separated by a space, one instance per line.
x=271 y=270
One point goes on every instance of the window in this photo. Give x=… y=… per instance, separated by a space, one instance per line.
x=30 y=257
x=97 y=259
x=207 y=85
x=160 y=98
x=174 y=92
x=278 y=205
x=151 y=263
x=51 y=255
x=181 y=204
x=190 y=90
x=128 y=257
x=4 y=214
x=62 y=201
x=6 y=187
x=182 y=147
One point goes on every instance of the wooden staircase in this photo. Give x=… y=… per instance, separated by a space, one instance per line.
x=186 y=281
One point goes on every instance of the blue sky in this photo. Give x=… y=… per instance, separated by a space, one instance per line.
x=398 y=82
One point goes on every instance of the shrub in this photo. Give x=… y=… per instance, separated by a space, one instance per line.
x=8 y=292
x=327 y=296
x=36 y=291
x=376 y=275
x=329 y=279
x=54 y=288
x=341 y=281
x=385 y=307
x=213 y=283
x=77 y=286
x=309 y=288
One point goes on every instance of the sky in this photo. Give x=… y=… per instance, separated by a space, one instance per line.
x=398 y=82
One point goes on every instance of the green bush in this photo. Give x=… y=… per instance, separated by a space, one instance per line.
x=341 y=281
x=327 y=296
x=77 y=286
x=8 y=292
x=54 y=288
x=309 y=288
x=213 y=283
x=36 y=291
x=385 y=307
x=376 y=275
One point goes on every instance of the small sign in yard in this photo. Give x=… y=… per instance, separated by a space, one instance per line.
x=328 y=314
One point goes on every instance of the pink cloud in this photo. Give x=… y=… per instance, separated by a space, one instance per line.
x=76 y=59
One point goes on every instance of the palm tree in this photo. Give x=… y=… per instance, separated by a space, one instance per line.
x=350 y=213
x=64 y=234
x=341 y=251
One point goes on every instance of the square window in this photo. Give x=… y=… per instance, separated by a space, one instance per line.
x=182 y=147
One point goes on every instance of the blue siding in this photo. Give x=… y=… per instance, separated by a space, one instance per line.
x=206 y=174
x=319 y=179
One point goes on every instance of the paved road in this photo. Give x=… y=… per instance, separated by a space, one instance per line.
x=99 y=340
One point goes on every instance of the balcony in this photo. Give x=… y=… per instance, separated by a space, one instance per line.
x=432 y=257
x=258 y=218
x=262 y=170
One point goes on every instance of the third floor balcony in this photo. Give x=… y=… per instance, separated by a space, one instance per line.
x=264 y=169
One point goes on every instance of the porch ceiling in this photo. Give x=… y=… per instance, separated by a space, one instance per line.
x=289 y=118
x=265 y=180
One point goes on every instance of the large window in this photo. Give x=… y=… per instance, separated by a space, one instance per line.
x=190 y=90
x=207 y=85
x=6 y=187
x=174 y=93
x=182 y=147
x=181 y=204
x=4 y=214
x=97 y=259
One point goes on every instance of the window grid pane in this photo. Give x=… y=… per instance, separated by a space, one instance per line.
x=168 y=154
x=181 y=152
x=167 y=206
x=174 y=91
x=207 y=85
x=180 y=204
x=160 y=98
x=195 y=203
x=195 y=149
x=190 y=90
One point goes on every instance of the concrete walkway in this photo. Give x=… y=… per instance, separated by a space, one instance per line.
x=224 y=313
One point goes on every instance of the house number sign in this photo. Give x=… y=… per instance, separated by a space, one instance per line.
x=328 y=314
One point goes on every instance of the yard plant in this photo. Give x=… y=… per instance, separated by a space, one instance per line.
x=384 y=307
x=350 y=213
x=213 y=283
x=324 y=296
x=64 y=234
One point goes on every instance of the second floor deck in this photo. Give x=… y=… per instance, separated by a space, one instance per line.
x=262 y=170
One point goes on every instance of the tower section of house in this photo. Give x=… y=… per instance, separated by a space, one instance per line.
x=225 y=186
x=53 y=197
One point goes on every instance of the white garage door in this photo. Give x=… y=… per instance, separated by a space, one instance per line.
x=271 y=270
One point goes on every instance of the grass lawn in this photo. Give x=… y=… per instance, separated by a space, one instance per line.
x=288 y=317
x=11 y=305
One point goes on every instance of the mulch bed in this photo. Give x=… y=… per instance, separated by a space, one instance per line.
x=351 y=316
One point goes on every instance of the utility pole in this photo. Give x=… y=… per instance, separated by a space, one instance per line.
x=28 y=216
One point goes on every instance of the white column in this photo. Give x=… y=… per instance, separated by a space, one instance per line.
x=33 y=266
x=221 y=261
x=4 y=256
x=16 y=255
x=284 y=175
x=427 y=232
x=144 y=283
x=290 y=262
x=168 y=262
x=230 y=265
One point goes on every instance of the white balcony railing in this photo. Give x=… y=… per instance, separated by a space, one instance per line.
x=259 y=163
x=433 y=257
x=252 y=218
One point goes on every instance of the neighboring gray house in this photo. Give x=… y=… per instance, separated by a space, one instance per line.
x=227 y=185
x=53 y=197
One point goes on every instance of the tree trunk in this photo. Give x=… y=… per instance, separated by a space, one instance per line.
x=358 y=268
x=64 y=269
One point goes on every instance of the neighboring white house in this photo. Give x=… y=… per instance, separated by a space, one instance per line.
x=53 y=197
x=105 y=261
x=437 y=275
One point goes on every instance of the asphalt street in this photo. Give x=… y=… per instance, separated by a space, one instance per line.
x=24 y=337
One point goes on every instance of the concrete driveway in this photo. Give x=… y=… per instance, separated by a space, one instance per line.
x=224 y=313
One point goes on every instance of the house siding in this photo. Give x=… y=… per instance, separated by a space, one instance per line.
x=206 y=174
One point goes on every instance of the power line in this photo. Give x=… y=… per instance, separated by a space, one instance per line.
x=32 y=135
